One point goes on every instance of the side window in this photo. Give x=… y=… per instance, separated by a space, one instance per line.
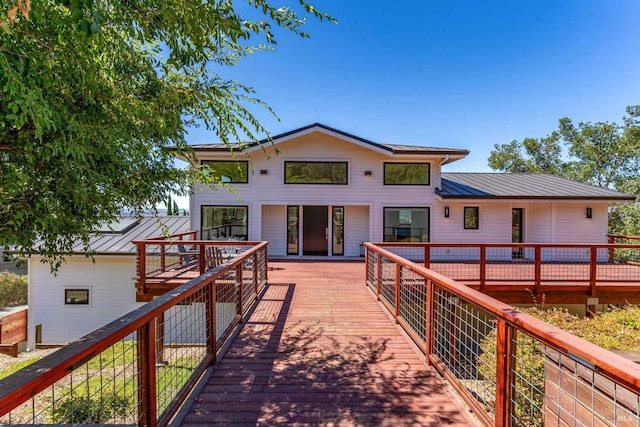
x=471 y=217
x=76 y=296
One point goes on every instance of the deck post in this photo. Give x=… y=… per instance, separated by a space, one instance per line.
x=593 y=270
x=147 y=371
x=202 y=264
x=612 y=240
x=427 y=256
x=163 y=257
x=483 y=267
x=504 y=335
x=537 y=265
x=142 y=268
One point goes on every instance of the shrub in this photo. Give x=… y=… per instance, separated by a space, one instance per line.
x=13 y=289
x=83 y=410
x=617 y=328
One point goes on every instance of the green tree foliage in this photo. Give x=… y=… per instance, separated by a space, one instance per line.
x=603 y=154
x=13 y=289
x=92 y=90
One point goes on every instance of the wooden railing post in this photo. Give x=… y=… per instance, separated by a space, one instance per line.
x=142 y=268
x=427 y=256
x=163 y=255
x=201 y=258
x=593 y=270
x=612 y=240
x=147 y=371
x=504 y=339
x=537 y=265
x=397 y=292
x=483 y=267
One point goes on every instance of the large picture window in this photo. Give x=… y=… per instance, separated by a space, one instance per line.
x=229 y=171
x=406 y=224
x=316 y=173
x=224 y=222
x=407 y=174
x=471 y=217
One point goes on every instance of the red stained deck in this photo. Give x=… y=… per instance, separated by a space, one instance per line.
x=318 y=350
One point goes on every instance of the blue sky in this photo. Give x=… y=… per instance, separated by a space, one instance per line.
x=461 y=74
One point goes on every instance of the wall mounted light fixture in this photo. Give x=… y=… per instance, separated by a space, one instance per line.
x=589 y=213
x=446 y=211
x=264 y=172
x=367 y=173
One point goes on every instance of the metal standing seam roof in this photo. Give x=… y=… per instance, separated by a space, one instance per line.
x=113 y=243
x=521 y=186
x=391 y=148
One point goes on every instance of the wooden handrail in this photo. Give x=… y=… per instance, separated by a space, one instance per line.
x=31 y=380
x=616 y=367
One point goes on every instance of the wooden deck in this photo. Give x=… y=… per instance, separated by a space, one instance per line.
x=318 y=350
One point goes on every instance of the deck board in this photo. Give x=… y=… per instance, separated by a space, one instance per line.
x=318 y=350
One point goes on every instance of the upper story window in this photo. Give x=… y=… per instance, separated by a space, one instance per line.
x=471 y=217
x=316 y=173
x=229 y=171
x=407 y=173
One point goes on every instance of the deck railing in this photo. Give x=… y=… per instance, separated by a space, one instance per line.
x=140 y=368
x=540 y=266
x=511 y=368
x=164 y=263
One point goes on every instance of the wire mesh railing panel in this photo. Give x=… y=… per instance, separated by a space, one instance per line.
x=181 y=341
x=388 y=280
x=262 y=269
x=227 y=304
x=372 y=265
x=411 y=253
x=413 y=302
x=508 y=264
x=552 y=388
x=103 y=390
x=623 y=266
x=248 y=286
x=458 y=263
x=464 y=342
x=565 y=264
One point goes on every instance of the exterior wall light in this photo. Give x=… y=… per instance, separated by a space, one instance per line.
x=264 y=172
x=367 y=173
x=446 y=211
x=589 y=213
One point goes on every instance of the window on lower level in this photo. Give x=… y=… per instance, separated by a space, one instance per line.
x=224 y=223
x=76 y=296
x=406 y=224
x=471 y=217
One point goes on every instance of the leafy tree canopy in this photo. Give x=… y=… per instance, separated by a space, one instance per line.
x=603 y=154
x=92 y=90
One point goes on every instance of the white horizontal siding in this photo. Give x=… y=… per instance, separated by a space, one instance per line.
x=111 y=294
x=356 y=229
x=274 y=229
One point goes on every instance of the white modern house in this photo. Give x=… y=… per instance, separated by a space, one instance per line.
x=320 y=192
